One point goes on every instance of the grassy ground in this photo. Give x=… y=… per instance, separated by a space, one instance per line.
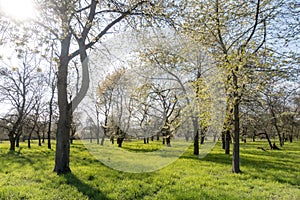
x=27 y=174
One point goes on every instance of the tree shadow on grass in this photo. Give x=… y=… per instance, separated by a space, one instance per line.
x=18 y=157
x=85 y=189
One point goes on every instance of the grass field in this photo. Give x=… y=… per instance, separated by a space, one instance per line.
x=27 y=174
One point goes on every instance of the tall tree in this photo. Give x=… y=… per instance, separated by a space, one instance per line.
x=78 y=26
x=235 y=32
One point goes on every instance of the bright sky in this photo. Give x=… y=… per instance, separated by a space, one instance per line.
x=18 y=9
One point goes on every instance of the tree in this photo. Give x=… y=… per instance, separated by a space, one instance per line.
x=277 y=100
x=235 y=33
x=78 y=26
x=182 y=61
x=105 y=93
x=168 y=106
x=19 y=88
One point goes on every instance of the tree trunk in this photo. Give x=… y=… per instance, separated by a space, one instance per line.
x=120 y=141
x=168 y=140
x=227 y=138
x=91 y=136
x=98 y=127
x=43 y=137
x=236 y=125
x=186 y=138
x=276 y=127
x=30 y=133
x=269 y=141
x=223 y=139
x=196 y=143
x=145 y=142
x=284 y=138
x=12 y=141
x=49 y=139
x=39 y=138
x=19 y=133
x=50 y=115
x=104 y=135
x=202 y=138
x=98 y=135
x=18 y=140
x=112 y=139
x=28 y=142
x=102 y=140
x=196 y=136
x=291 y=138
x=62 y=154
x=267 y=137
x=215 y=138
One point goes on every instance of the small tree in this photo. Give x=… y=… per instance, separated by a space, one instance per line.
x=19 y=87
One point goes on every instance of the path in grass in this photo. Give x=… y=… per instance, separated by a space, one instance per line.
x=27 y=174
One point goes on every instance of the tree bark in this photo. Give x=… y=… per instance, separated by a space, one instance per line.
x=18 y=140
x=98 y=126
x=98 y=134
x=102 y=140
x=291 y=138
x=269 y=141
x=50 y=113
x=168 y=140
x=112 y=139
x=91 y=135
x=186 y=138
x=227 y=138
x=103 y=137
x=275 y=123
x=12 y=141
x=267 y=137
x=28 y=141
x=39 y=138
x=202 y=138
x=236 y=125
x=120 y=141
x=196 y=136
x=62 y=155
x=223 y=139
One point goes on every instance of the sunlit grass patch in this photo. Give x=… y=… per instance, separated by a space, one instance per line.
x=127 y=159
x=28 y=174
x=139 y=146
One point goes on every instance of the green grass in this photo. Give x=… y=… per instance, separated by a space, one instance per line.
x=27 y=174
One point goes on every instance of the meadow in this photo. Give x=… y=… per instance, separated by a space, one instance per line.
x=28 y=174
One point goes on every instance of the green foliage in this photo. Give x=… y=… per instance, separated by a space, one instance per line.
x=27 y=174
